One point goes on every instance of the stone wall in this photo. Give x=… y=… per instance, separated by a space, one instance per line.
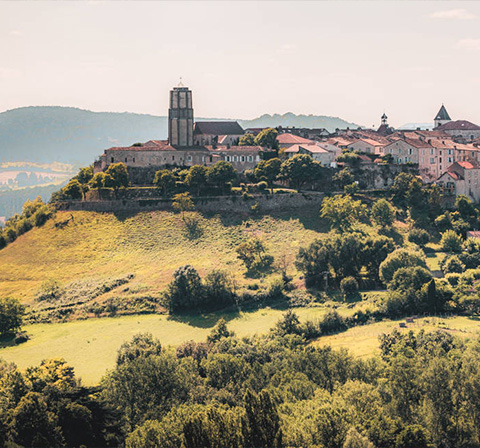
x=105 y=202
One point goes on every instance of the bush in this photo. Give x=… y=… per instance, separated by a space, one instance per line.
x=349 y=288
x=383 y=214
x=419 y=237
x=11 y=315
x=262 y=186
x=453 y=265
x=217 y=289
x=451 y=242
x=254 y=254
x=400 y=258
x=332 y=322
x=185 y=290
x=141 y=345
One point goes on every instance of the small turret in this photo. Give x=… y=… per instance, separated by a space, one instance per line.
x=442 y=117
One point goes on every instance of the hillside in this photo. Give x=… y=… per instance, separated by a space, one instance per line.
x=67 y=134
x=96 y=248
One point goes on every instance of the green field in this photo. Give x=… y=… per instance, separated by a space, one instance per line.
x=90 y=346
x=363 y=341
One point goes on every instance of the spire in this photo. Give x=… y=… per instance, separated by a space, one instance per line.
x=443 y=114
x=384 y=118
x=180 y=83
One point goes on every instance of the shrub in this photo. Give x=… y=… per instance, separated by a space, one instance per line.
x=451 y=242
x=400 y=258
x=141 y=345
x=185 y=290
x=332 y=322
x=42 y=215
x=254 y=254
x=383 y=214
x=349 y=288
x=11 y=315
x=419 y=237
x=219 y=331
x=453 y=265
x=217 y=289
x=288 y=324
x=49 y=290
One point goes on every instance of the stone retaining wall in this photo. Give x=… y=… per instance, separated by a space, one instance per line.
x=266 y=203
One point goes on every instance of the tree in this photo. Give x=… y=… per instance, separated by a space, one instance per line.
x=73 y=190
x=419 y=236
x=11 y=315
x=182 y=202
x=34 y=424
x=299 y=169
x=219 y=331
x=342 y=211
x=218 y=289
x=247 y=140
x=267 y=138
x=261 y=423
x=221 y=174
x=451 y=242
x=412 y=436
x=453 y=264
x=400 y=258
x=119 y=174
x=165 y=181
x=465 y=207
x=343 y=178
x=254 y=254
x=97 y=181
x=197 y=178
x=268 y=170
x=288 y=324
x=349 y=288
x=85 y=174
x=185 y=290
x=142 y=344
x=355 y=440
x=383 y=214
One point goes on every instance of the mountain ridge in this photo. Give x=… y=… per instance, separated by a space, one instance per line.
x=75 y=135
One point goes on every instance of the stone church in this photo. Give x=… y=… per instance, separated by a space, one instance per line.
x=189 y=143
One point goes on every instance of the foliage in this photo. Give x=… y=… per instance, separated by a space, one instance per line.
x=400 y=258
x=453 y=264
x=254 y=254
x=267 y=138
x=141 y=345
x=117 y=175
x=85 y=174
x=300 y=169
x=182 y=202
x=221 y=174
x=383 y=214
x=342 y=211
x=350 y=158
x=165 y=181
x=73 y=190
x=349 y=288
x=185 y=292
x=219 y=331
x=11 y=315
x=344 y=177
x=451 y=241
x=247 y=140
x=418 y=236
x=197 y=178
x=268 y=170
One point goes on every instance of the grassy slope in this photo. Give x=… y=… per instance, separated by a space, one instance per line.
x=151 y=245
x=363 y=341
x=91 y=345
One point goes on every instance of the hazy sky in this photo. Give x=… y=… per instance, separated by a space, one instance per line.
x=242 y=59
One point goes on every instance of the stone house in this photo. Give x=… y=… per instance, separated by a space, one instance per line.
x=462 y=178
x=366 y=145
x=241 y=157
x=206 y=133
x=326 y=158
x=461 y=130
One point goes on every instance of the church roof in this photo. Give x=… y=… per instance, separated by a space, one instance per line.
x=442 y=114
x=459 y=125
x=217 y=128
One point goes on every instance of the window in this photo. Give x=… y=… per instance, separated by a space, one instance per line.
x=450 y=151
x=173 y=157
x=250 y=158
x=391 y=150
x=126 y=159
x=242 y=158
x=133 y=160
x=112 y=159
x=189 y=158
x=432 y=161
x=227 y=158
x=410 y=151
x=431 y=151
x=257 y=158
x=450 y=159
x=440 y=160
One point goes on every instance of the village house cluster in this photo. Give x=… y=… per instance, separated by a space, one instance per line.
x=448 y=154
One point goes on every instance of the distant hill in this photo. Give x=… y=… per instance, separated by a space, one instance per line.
x=68 y=134
x=415 y=126
x=299 y=121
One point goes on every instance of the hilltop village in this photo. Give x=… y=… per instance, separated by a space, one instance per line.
x=447 y=155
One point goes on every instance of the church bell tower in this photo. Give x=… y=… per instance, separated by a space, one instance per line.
x=180 y=117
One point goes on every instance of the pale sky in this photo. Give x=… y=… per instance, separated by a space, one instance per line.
x=242 y=59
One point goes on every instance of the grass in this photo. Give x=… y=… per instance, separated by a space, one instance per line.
x=363 y=341
x=90 y=345
x=434 y=260
x=151 y=245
